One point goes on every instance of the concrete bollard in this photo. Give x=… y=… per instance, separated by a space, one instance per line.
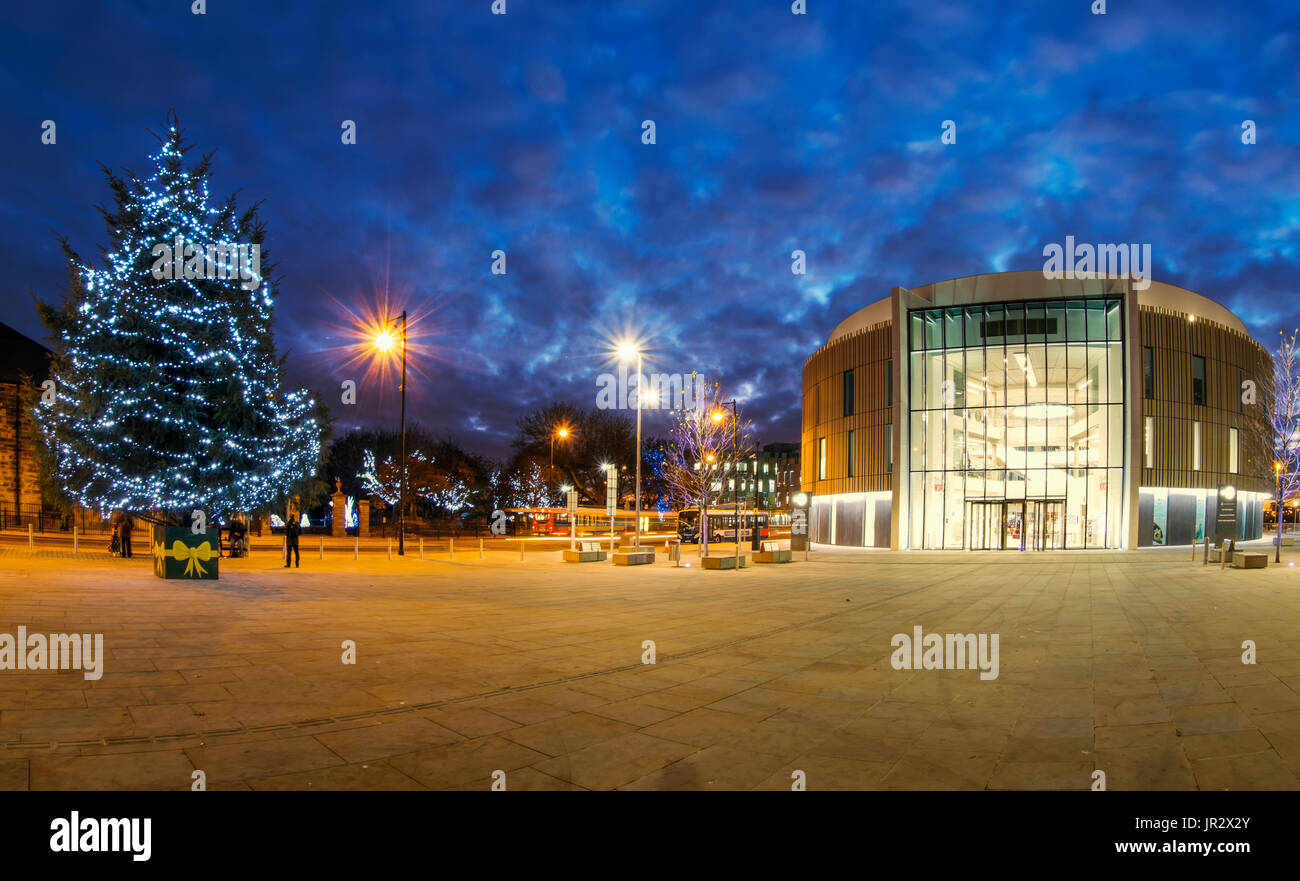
x=74 y=539
x=451 y=549
x=356 y=549
x=390 y=549
x=31 y=540
x=480 y=548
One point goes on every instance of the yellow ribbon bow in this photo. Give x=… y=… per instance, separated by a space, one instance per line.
x=194 y=558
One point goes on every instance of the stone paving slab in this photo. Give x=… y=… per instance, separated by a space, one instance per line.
x=1128 y=663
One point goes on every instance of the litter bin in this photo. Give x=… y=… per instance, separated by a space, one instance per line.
x=674 y=550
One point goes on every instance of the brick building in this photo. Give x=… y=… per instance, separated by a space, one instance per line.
x=20 y=492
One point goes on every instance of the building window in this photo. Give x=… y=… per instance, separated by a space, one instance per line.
x=848 y=392
x=1196 y=446
x=821 y=458
x=849 y=469
x=1232 y=451
x=1148 y=372
x=1149 y=442
x=1015 y=432
x=889 y=383
x=889 y=449
x=1198 y=380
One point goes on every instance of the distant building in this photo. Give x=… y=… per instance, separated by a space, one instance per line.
x=776 y=469
x=20 y=491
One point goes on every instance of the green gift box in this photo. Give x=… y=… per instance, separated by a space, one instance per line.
x=180 y=552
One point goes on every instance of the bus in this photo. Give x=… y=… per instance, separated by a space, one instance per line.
x=722 y=525
x=588 y=521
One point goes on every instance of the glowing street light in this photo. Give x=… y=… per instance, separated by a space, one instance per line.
x=562 y=433
x=384 y=341
x=627 y=350
x=1277 y=470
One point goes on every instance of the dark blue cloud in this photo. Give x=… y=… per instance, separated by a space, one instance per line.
x=775 y=132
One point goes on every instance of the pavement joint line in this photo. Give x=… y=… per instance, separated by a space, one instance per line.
x=410 y=708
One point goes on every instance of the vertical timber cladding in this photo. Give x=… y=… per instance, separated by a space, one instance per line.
x=1230 y=357
x=865 y=352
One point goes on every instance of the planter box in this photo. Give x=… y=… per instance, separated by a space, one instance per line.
x=1242 y=560
x=583 y=556
x=633 y=558
x=774 y=557
x=179 y=553
x=723 y=562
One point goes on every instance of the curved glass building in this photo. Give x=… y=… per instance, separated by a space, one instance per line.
x=1009 y=411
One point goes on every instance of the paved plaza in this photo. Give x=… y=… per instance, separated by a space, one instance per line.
x=1130 y=663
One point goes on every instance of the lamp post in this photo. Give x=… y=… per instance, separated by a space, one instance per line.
x=562 y=432
x=1277 y=470
x=718 y=416
x=627 y=350
x=384 y=341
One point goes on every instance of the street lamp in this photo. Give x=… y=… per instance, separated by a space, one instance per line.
x=1277 y=470
x=385 y=340
x=718 y=416
x=627 y=350
x=562 y=432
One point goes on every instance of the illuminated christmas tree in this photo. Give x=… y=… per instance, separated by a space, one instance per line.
x=167 y=390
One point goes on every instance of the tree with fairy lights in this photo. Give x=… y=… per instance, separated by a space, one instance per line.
x=167 y=391
x=1284 y=428
x=698 y=457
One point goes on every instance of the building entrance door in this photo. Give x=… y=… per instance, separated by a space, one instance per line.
x=1048 y=523
x=986 y=521
x=1032 y=524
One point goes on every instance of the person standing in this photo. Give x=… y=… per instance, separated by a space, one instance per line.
x=124 y=530
x=292 y=529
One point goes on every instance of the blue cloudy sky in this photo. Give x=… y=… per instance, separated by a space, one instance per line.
x=522 y=132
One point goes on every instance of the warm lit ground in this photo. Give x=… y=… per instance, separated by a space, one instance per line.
x=1128 y=663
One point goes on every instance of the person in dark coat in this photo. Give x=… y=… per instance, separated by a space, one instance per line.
x=292 y=529
x=238 y=536
x=124 y=528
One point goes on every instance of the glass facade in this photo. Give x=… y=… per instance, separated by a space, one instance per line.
x=1016 y=425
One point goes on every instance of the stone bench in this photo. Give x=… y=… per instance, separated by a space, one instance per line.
x=723 y=562
x=776 y=556
x=1287 y=541
x=1217 y=555
x=587 y=552
x=634 y=558
x=1243 y=560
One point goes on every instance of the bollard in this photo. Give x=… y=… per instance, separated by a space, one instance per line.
x=451 y=549
x=356 y=549
x=1193 y=549
x=74 y=539
x=422 y=547
x=322 y=547
x=480 y=548
x=31 y=542
x=521 y=552
x=390 y=549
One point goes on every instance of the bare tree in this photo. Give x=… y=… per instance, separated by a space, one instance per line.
x=1285 y=426
x=700 y=442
